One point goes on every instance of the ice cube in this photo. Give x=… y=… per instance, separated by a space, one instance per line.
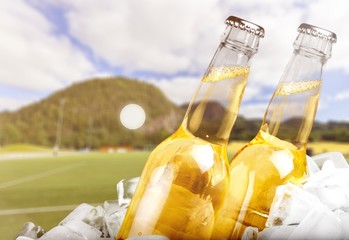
x=30 y=230
x=25 y=238
x=331 y=187
x=339 y=176
x=149 y=237
x=114 y=220
x=125 y=189
x=79 y=213
x=290 y=205
x=320 y=223
x=89 y=232
x=94 y=218
x=344 y=217
x=332 y=159
x=62 y=233
x=277 y=232
x=111 y=219
x=111 y=206
x=313 y=168
x=250 y=233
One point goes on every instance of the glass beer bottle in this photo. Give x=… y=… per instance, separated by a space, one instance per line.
x=278 y=153
x=186 y=177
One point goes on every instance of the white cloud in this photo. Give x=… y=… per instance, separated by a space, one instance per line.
x=12 y=104
x=341 y=96
x=255 y=110
x=173 y=36
x=32 y=57
x=179 y=90
x=149 y=35
x=333 y=15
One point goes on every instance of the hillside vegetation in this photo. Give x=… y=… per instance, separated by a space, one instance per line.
x=90 y=111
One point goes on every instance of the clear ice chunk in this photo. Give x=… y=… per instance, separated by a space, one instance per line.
x=62 y=233
x=111 y=218
x=89 y=232
x=94 y=218
x=313 y=168
x=73 y=230
x=320 y=223
x=344 y=217
x=110 y=206
x=331 y=187
x=79 y=213
x=30 y=230
x=250 y=233
x=330 y=159
x=276 y=233
x=290 y=205
x=149 y=237
x=125 y=189
x=114 y=220
x=25 y=238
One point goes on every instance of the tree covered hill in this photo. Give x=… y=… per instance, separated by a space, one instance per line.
x=90 y=116
x=88 y=113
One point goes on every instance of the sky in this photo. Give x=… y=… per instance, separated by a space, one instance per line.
x=48 y=45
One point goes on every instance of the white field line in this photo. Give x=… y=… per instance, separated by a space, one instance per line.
x=29 y=155
x=39 y=175
x=40 y=209
x=37 y=210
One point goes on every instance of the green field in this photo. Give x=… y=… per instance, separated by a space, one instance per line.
x=35 y=189
x=43 y=189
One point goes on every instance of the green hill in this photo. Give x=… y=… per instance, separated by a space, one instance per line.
x=91 y=112
x=91 y=116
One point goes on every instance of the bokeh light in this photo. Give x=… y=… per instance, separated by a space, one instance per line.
x=132 y=116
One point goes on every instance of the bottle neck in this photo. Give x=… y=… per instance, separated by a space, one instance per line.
x=213 y=110
x=292 y=109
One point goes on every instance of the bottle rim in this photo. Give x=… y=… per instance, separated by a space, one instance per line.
x=317 y=32
x=245 y=25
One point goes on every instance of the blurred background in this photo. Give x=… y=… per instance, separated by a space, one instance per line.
x=88 y=88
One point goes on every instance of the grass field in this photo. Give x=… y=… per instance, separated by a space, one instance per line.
x=44 y=189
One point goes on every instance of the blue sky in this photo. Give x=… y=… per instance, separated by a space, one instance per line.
x=48 y=45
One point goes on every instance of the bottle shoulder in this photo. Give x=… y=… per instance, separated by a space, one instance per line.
x=267 y=156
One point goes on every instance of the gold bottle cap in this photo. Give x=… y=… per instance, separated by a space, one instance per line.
x=317 y=32
x=245 y=25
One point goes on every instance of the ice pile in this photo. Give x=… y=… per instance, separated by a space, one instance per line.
x=317 y=210
x=87 y=222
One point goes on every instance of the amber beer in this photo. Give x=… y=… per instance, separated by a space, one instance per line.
x=278 y=152
x=186 y=178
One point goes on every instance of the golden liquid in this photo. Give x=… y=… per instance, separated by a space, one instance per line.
x=186 y=178
x=267 y=161
x=184 y=182
x=215 y=74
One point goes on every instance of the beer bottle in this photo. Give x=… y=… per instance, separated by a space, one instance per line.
x=186 y=177
x=278 y=152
